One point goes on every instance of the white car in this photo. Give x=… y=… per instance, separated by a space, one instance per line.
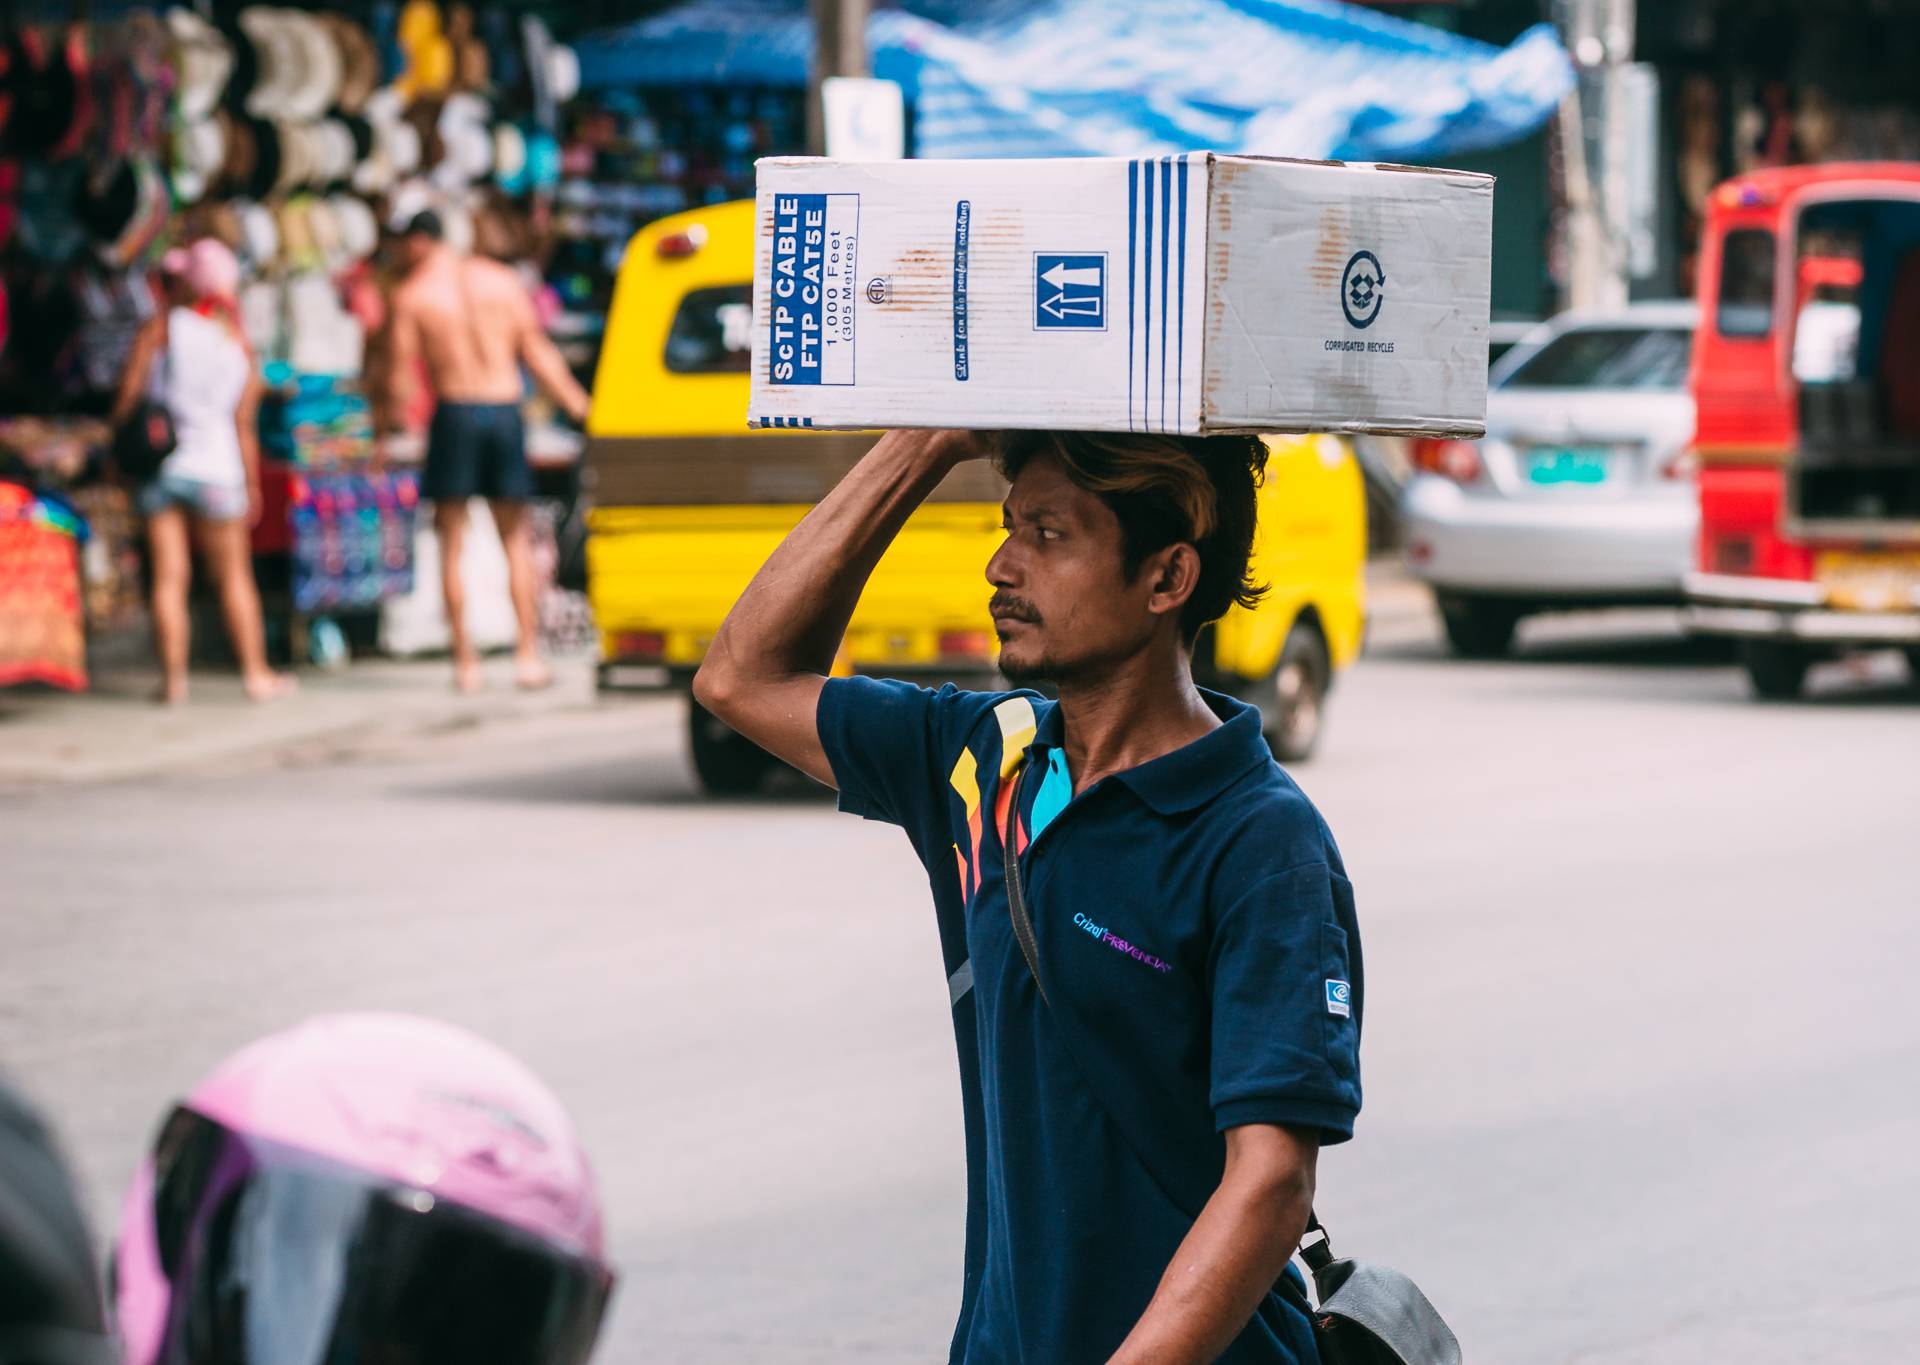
x=1581 y=494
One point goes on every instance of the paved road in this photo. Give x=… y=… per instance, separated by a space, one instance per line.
x=1642 y=1039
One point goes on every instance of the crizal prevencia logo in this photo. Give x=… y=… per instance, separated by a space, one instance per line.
x=1118 y=944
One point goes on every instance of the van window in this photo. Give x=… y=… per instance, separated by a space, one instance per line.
x=1746 y=284
x=712 y=333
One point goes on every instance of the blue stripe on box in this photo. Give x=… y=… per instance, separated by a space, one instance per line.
x=1180 y=328
x=1146 y=294
x=1166 y=255
x=1133 y=244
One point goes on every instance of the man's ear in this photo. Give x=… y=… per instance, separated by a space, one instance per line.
x=1173 y=574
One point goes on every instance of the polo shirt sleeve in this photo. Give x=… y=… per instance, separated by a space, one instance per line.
x=891 y=745
x=1286 y=988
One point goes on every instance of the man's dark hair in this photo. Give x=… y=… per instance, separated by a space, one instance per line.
x=425 y=223
x=1166 y=490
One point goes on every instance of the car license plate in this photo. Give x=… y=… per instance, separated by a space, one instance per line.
x=1568 y=464
x=1867 y=582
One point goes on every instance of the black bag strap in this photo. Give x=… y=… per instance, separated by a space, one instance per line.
x=1016 y=895
x=1030 y=949
x=159 y=364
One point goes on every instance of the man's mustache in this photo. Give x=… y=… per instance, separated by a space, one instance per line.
x=1005 y=604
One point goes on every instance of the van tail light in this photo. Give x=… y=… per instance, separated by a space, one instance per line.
x=967 y=644
x=677 y=244
x=640 y=645
x=1456 y=460
x=1682 y=468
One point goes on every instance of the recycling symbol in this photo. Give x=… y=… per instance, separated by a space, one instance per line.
x=1362 y=288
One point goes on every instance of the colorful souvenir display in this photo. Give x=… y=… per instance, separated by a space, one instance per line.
x=352 y=539
x=315 y=421
x=299 y=137
x=42 y=626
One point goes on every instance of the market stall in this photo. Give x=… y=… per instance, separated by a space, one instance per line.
x=300 y=138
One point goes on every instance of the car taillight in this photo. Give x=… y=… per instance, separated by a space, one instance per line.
x=677 y=244
x=967 y=644
x=1681 y=467
x=1456 y=460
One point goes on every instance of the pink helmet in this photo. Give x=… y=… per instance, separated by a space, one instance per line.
x=363 y=1186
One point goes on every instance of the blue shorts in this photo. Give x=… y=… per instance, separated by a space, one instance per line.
x=476 y=450
x=208 y=501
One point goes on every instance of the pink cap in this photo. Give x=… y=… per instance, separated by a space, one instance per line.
x=212 y=270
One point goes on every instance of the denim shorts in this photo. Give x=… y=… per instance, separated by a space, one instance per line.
x=208 y=501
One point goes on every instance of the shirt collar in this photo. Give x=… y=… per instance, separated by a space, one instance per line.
x=1195 y=773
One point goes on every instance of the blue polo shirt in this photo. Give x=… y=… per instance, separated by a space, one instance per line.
x=1197 y=941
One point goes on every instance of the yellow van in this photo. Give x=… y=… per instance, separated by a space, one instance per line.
x=687 y=503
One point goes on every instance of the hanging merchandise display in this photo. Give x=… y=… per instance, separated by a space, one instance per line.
x=353 y=539
x=553 y=71
x=627 y=157
x=45 y=92
x=472 y=66
x=301 y=138
x=510 y=159
x=42 y=630
x=202 y=63
x=124 y=207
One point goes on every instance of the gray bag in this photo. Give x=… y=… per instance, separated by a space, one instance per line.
x=1368 y=1314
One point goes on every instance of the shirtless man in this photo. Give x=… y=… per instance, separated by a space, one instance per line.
x=470 y=323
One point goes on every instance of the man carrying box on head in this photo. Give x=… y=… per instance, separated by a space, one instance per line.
x=1143 y=1117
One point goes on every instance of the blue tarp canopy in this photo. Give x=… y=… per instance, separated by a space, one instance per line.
x=1310 y=78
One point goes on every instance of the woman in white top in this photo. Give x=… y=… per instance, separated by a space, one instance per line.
x=194 y=359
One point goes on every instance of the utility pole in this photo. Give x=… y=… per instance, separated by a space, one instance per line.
x=839 y=49
x=1597 y=149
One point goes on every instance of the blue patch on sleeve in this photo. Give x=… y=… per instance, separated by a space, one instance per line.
x=1339 y=998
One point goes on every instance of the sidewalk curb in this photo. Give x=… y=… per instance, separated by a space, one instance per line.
x=113 y=736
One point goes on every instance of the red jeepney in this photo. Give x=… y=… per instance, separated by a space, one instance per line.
x=1806 y=381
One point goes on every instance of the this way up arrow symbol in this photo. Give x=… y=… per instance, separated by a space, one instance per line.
x=1060 y=276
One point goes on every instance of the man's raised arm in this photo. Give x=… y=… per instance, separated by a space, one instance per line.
x=765 y=668
x=545 y=363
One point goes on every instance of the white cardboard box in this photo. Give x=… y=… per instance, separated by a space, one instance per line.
x=1188 y=294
